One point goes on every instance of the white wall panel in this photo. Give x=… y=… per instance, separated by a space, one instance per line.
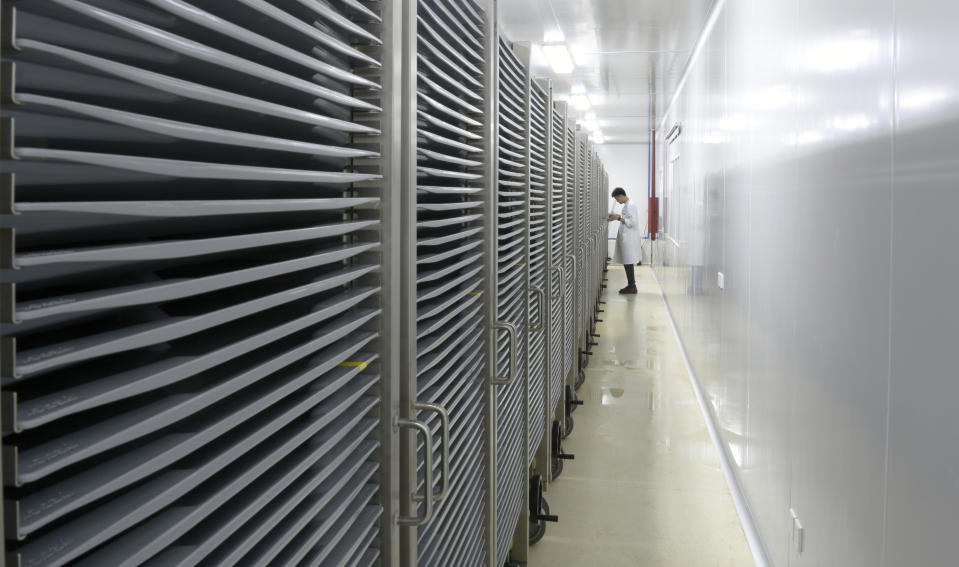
x=923 y=483
x=821 y=200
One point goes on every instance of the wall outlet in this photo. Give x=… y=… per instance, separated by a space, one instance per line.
x=798 y=532
x=721 y=280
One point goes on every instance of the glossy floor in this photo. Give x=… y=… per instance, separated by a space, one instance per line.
x=646 y=486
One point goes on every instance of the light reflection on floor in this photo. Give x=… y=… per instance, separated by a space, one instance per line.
x=645 y=488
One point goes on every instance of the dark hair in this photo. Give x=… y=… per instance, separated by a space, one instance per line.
x=619 y=191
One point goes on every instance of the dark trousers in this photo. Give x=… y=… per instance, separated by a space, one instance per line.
x=630 y=275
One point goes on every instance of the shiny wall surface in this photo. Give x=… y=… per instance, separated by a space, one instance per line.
x=816 y=170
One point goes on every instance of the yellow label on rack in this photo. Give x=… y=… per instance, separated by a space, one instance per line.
x=476 y=293
x=353 y=363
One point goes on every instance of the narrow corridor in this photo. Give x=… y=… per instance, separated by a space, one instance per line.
x=646 y=488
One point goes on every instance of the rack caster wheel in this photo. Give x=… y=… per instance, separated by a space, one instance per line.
x=580 y=378
x=538 y=510
x=538 y=529
x=557 y=454
x=555 y=468
x=572 y=400
x=569 y=426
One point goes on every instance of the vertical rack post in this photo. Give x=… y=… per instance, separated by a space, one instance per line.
x=491 y=178
x=406 y=278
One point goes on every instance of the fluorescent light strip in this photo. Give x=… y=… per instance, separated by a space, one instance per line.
x=580 y=101
x=559 y=58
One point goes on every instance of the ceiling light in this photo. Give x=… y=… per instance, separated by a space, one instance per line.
x=598 y=137
x=580 y=101
x=554 y=36
x=583 y=55
x=559 y=58
x=590 y=117
x=578 y=97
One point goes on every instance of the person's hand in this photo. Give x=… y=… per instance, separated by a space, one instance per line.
x=615 y=216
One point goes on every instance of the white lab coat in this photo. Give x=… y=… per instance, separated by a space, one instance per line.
x=629 y=239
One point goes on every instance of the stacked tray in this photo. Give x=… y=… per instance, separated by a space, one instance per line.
x=450 y=351
x=191 y=286
x=512 y=295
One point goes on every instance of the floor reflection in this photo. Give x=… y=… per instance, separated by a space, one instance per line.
x=645 y=488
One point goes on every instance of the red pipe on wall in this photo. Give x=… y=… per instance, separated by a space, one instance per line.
x=653 y=219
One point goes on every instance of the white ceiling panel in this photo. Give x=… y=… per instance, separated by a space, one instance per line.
x=629 y=54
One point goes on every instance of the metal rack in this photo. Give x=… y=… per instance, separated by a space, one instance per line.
x=192 y=283
x=572 y=255
x=512 y=298
x=444 y=283
x=558 y=251
x=539 y=225
x=599 y=189
x=580 y=242
x=592 y=246
x=283 y=282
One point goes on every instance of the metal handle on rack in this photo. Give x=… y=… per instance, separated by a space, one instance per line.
x=445 y=420
x=428 y=473
x=562 y=283
x=513 y=367
x=572 y=274
x=572 y=258
x=541 y=294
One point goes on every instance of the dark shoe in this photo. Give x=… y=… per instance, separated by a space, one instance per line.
x=628 y=289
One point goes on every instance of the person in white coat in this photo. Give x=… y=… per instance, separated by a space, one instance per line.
x=629 y=239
